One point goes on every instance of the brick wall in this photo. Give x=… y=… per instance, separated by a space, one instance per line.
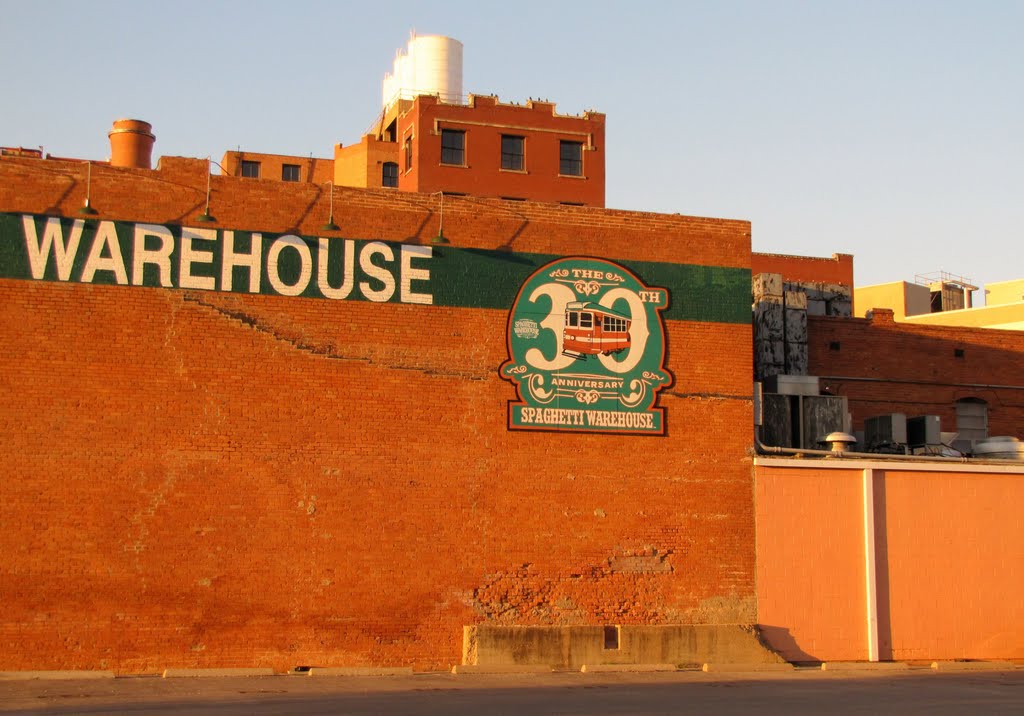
x=806 y=269
x=311 y=169
x=208 y=479
x=484 y=120
x=885 y=367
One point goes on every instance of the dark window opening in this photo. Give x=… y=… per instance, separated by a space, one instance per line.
x=833 y=346
x=250 y=169
x=453 y=147
x=290 y=172
x=512 y=152
x=586 y=320
x=389 y=174
x=958 y=352
x=408 y=153
x=611 y=637
x=570 y=158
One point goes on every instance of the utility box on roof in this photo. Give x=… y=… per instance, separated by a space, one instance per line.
x=792 y=384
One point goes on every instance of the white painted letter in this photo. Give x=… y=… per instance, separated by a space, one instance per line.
x=378 y=272
x=190 y=255
x=410 y=274
x=252 y=260
x=305 y=272
x=106 y=235
x=555 y=322
x=638 y=331
x=161 y=258
x=53 y=237
x=348 y=270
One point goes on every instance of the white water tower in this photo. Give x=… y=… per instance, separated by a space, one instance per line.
x=431 y=64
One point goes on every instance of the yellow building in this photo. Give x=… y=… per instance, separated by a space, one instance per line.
x=946 y=300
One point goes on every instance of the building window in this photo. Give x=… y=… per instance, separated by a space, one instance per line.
x=570 y=159
x=290 y=172
x=389 y=174
x=453 y=147
x=512 y=152
x=250 y=169
x=408 y=153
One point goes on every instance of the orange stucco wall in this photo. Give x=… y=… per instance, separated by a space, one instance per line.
x=955 y=553
x=948 y=569
x=810 y=563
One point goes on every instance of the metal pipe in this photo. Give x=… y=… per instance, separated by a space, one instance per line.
x=777 y=450
x=904 y=381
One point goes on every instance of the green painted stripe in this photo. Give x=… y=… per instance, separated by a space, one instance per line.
x=474 y=278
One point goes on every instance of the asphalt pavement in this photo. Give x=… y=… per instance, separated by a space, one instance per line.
x=804 y=691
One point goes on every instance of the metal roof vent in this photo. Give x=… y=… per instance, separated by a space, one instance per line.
x=839 y=442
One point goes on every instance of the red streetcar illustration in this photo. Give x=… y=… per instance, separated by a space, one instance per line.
x=591 y=329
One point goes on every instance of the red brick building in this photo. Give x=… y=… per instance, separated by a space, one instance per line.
x=250 y=442
x=271 y=423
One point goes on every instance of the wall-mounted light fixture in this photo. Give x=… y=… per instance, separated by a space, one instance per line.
x=440 y=238
x=87 y=208
x=206 y=217
x=330 y=225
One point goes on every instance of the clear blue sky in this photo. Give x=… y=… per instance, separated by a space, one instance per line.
x=892 y=130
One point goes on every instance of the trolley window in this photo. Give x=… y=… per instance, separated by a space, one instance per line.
x=572 y=319
x=612 y=323
x=586 y=320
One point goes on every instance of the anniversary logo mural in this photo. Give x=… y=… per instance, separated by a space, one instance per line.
x=586 y=346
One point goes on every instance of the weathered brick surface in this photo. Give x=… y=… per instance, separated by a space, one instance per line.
x=916 y=369
x=199 y=479
x=806 y=269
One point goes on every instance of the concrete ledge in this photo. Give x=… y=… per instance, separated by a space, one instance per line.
x=54 y=675
x=740 y=668
x=570 y=647
x=500 y=669
x=973 y=665
x=610 y=668
x=360 y=671
x=864 y=666
x=204 y=673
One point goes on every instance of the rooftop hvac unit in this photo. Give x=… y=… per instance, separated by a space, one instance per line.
x=792 y=384
x=801 y=421
x=884 y=433
x=924 y=431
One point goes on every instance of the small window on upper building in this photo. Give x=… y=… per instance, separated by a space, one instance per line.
x=250 y=169
x=408 y=153
x=570 y=159
x=511 y=152
x=290 y=172
x=389 y=174
x=453 y=147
